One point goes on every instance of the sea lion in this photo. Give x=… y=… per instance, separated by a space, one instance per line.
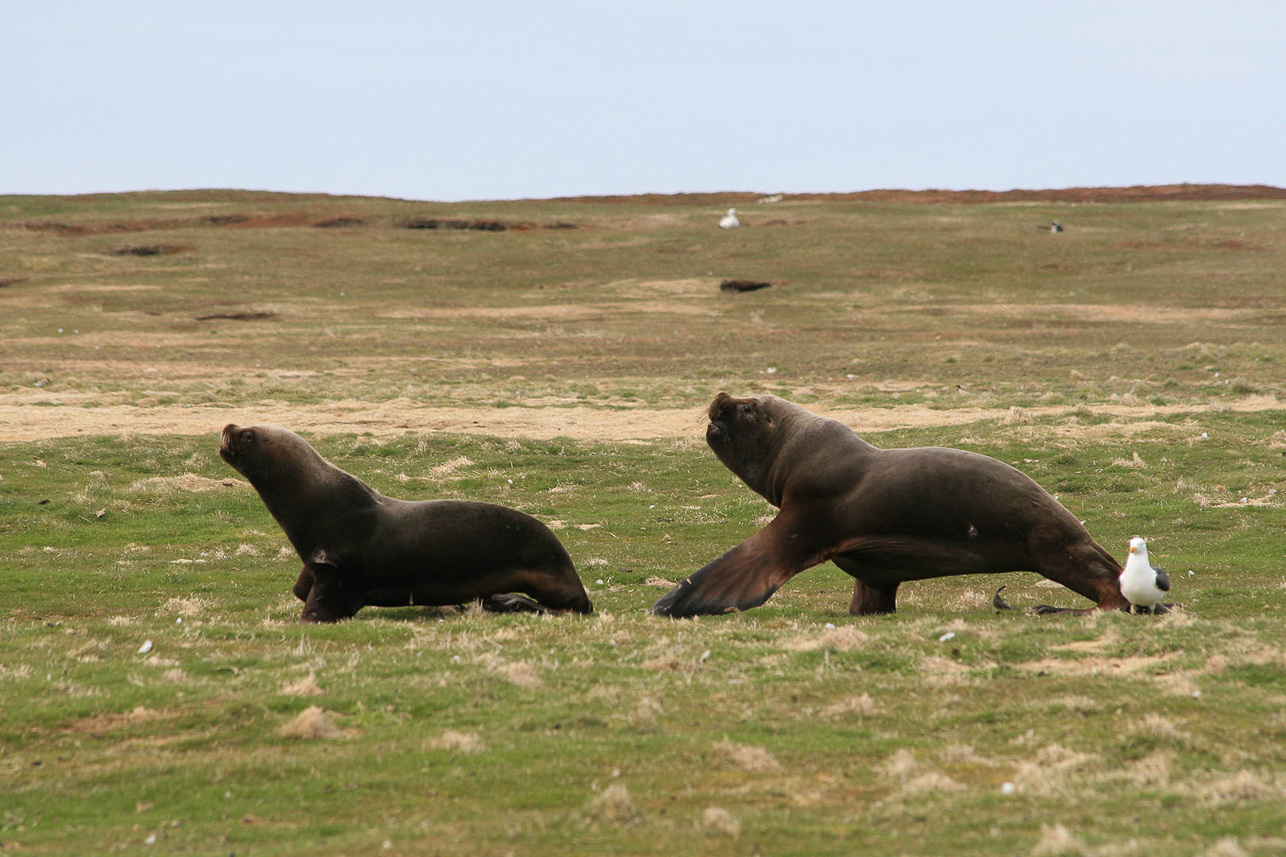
x=361 y=548
x=884 y=516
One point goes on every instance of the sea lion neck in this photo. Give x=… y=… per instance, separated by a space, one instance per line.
x=311 y=476
x=805 y=445
x=290 y=475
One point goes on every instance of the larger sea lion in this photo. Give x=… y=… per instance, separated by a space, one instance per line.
x=884 y=516
x=361 y=548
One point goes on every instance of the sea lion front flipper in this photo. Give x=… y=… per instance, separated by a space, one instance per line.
x=329 y=600
x=303 y=584
x=745 y=576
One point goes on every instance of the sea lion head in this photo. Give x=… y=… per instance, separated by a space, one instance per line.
x=773 y=444
x=256 y=451
x=744 y=434
x=239 y=446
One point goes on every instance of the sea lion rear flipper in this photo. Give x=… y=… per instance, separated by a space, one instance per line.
x=512 y=602
x=744 y=577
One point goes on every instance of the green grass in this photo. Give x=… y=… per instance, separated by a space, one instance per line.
x=455 y=732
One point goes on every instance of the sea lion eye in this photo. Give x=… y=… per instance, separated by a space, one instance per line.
x=247 y=436
x=747 y=410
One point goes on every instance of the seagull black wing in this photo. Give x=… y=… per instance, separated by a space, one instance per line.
x=1163 y=579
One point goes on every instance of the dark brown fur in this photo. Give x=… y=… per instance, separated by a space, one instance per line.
x=361 y=548
x=884 y=516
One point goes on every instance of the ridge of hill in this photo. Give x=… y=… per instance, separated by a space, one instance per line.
x=1132 y=193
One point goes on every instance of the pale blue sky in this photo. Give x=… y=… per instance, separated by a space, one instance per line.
x=487 y=100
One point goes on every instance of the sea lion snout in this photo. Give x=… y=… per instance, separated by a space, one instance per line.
x=234 y=441
x=721 y=413
x=225 y=441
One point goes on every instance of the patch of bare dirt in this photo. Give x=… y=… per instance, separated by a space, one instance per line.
x=554 y=312
x=1099 y=666
x=1112 y=312
x=241 y=221
x=259 y=221
x=150 y=250
x=562 y=312
x=29 y=415
x=475 y=225
x=121 y=226
x=340 y=223
x=104 y=723
x=261 y=315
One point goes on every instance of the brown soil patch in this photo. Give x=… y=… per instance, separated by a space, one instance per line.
x=238 y=316
x=554 y=312
x=475 y=225
x=1098 y=666
x=151 y=250
x=239 y=221
x=30 y=415
x=122 y=226
x=102 y=724
x=1111 y=312
x=340 y=223
x=562 y=312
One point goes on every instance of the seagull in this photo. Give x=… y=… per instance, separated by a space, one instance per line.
x=1141 y=584
x=730 y=220
x=1055 y=226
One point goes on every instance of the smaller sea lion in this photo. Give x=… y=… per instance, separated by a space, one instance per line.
x=361 y=548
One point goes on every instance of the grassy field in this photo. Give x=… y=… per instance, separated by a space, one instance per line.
x=158 y=693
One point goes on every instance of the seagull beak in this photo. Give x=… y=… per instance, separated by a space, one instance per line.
x=1131 y=549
